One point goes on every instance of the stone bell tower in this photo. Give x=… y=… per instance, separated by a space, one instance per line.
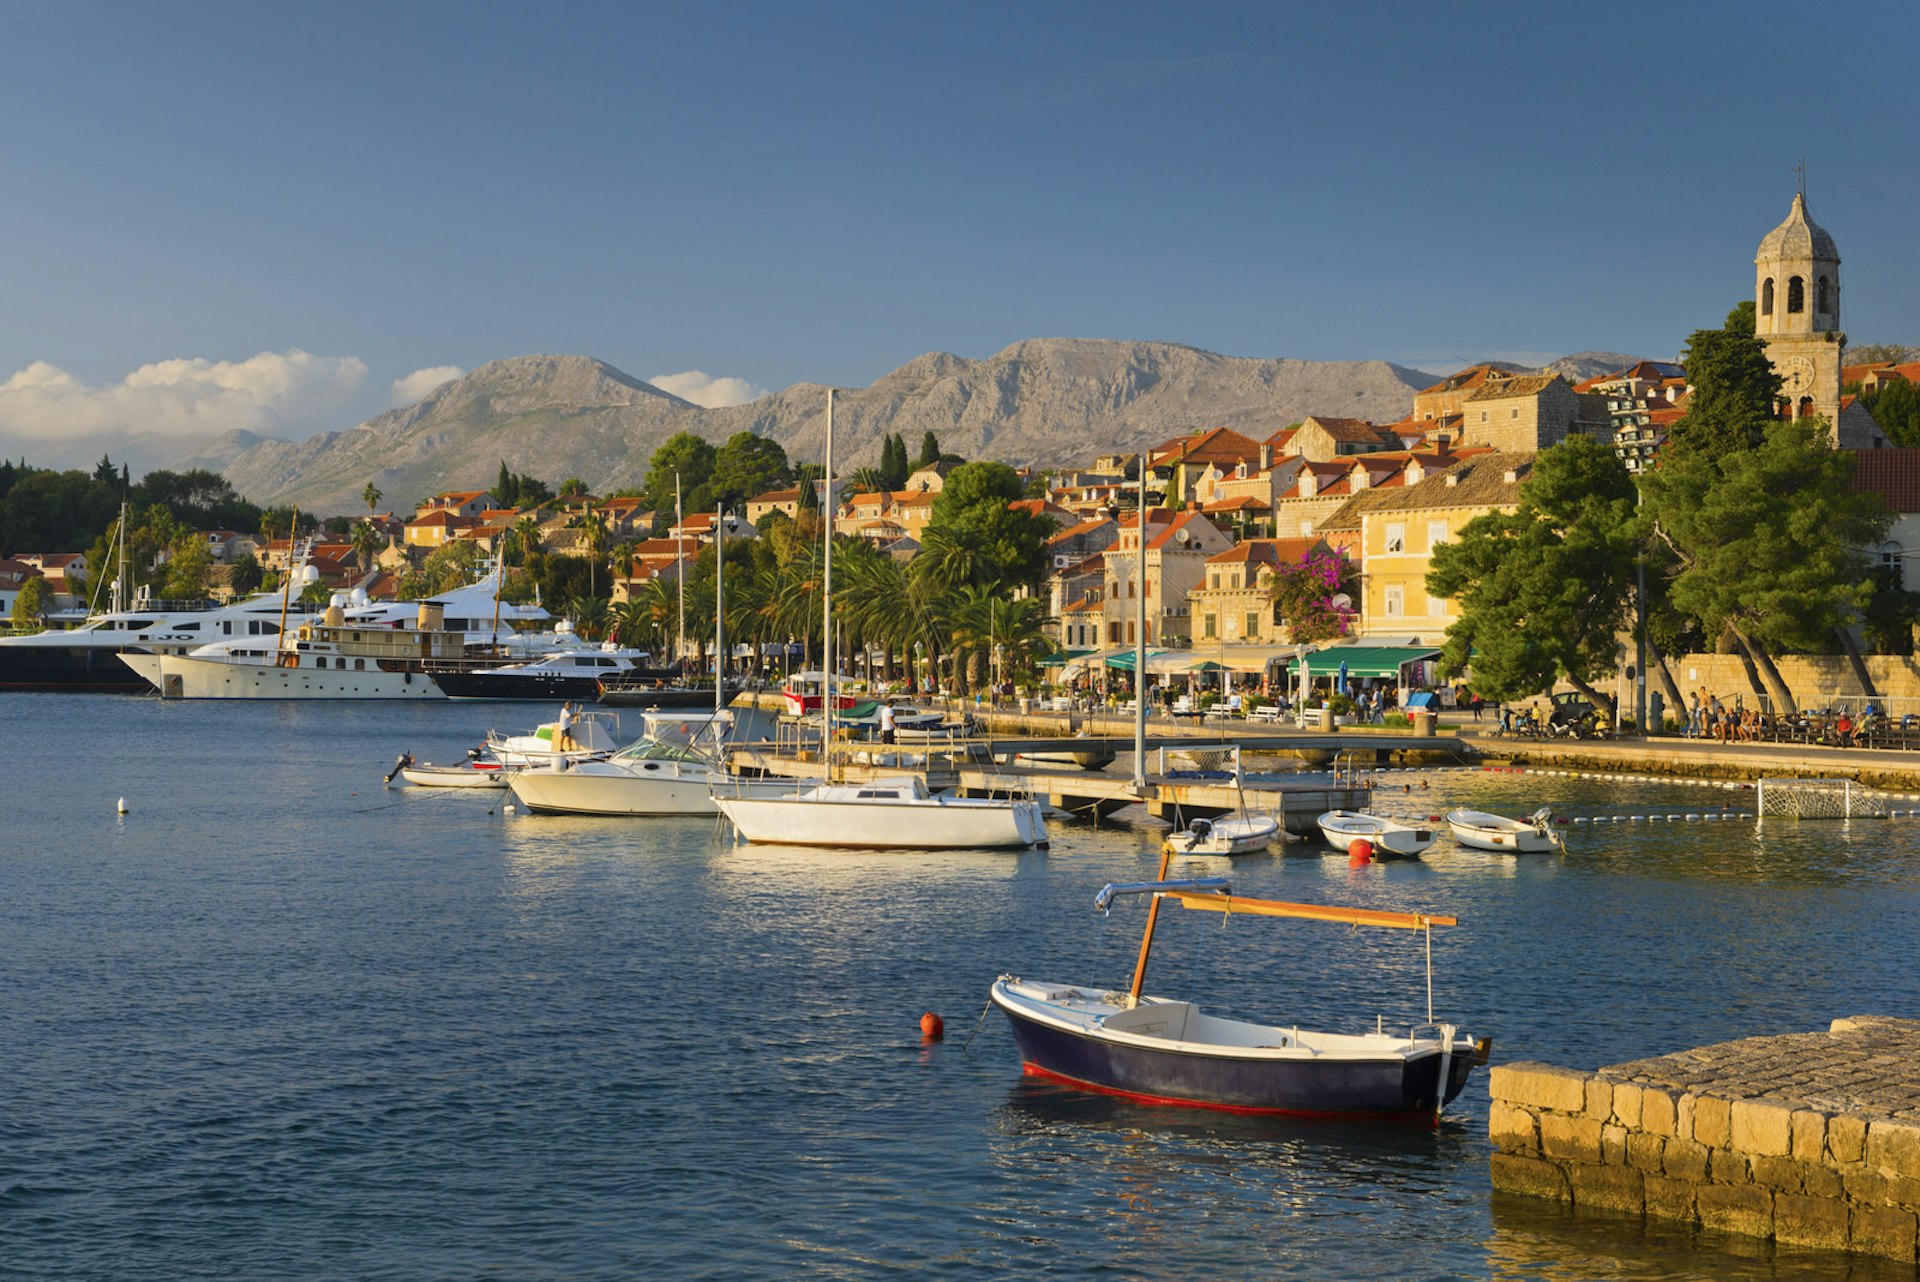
x=1797 y=313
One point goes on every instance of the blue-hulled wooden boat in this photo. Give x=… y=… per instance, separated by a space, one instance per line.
x=1164 y=1051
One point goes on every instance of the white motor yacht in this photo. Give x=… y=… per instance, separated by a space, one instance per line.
x=669 y=770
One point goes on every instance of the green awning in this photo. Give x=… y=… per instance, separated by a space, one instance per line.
x=1124 y=659
x=1063 y=658
x=1367 y=660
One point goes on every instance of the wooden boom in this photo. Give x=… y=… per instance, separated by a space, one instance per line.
x=1317 y=912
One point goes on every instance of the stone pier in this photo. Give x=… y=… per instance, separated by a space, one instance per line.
x=1809 y=1139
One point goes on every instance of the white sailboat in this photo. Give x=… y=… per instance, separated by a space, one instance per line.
x=881 y=814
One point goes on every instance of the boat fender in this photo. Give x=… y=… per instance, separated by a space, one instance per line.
x=1359 y=851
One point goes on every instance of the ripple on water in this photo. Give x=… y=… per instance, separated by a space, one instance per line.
x=282 y=1022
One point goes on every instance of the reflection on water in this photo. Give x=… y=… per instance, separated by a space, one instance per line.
x=1538 y=1241
x=429 y=1039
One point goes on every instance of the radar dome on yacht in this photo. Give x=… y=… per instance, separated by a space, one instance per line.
x=564 y=627
x=338 y=601
x=309 y=574
x=359 y=597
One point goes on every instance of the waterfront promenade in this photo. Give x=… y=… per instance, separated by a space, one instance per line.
x=1459 y=739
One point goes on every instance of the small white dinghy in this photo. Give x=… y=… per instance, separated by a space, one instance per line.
x=1478 y=830
x=1389 y=837
x=477 y=772
x=1239 y=834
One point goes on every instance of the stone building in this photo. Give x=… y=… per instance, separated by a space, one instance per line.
x=1391 y=531
x=1177 y=547
x=1444 y=399
x=1235 y=604
x=1531 y=412
x=1320 y=440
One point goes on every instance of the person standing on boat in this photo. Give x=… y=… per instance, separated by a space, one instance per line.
x=886 y=721
x=563 y=729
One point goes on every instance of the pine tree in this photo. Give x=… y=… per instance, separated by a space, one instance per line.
x=929 y=450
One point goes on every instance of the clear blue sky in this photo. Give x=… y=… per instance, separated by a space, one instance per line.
x=786 y=192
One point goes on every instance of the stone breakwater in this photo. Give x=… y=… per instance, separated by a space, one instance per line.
x=1810 y=1139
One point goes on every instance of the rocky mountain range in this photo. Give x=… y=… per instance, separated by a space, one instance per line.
x=1041 y=402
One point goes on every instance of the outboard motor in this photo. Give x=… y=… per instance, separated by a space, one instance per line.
x=405 y=760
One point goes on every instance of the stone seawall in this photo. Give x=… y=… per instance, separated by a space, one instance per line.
x=1809 y=1139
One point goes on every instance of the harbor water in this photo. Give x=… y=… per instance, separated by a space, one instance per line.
x=280 y=1021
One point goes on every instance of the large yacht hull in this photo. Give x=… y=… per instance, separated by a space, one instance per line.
x=75 y=668
x=184 y=677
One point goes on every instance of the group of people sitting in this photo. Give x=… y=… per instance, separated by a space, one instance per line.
x=1710 y=719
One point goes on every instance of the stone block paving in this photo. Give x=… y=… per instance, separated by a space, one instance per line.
x=1809 y=1139
x=1867 y=1065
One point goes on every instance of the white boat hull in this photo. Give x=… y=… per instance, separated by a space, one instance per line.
x=178 y=676
x=1342 y=827
x=1230 y=835
x=924 y=823
x=1478 y=830
x=606 y=788
x=453 y=777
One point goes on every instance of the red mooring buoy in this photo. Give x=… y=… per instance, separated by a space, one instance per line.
x=1359 y=851
x=932 y=1026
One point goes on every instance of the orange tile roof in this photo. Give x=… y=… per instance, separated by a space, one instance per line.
x=1893 y=474
x=1217 y=445
x=1472 y=376
x=1267 y=551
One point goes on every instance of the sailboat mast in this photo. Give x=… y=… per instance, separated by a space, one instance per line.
x=1146 y=937
x=286 y=582
x=1140 y=661
x=826 y=608
x=680 y=577
x=719 y=607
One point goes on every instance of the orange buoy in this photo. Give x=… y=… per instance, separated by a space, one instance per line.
x=1359 y=851
x=932 y=1026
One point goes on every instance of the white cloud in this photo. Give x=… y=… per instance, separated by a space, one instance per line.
x=706 y=390
x=417 y=385
x=184 y=399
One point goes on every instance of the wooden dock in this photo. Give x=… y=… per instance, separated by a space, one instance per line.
x=975 y=768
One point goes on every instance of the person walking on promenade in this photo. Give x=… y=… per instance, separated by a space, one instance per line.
x=1478 y=703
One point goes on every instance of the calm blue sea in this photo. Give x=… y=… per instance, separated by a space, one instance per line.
x=282 y=1022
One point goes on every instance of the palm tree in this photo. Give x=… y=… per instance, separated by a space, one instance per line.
x=589 y=615
x=864 y=480
x=371 y=497
x=366 y=544
x=988 y=626
x=526 y=532
x=594 y=530
x=868 y=601
x=623 y=554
